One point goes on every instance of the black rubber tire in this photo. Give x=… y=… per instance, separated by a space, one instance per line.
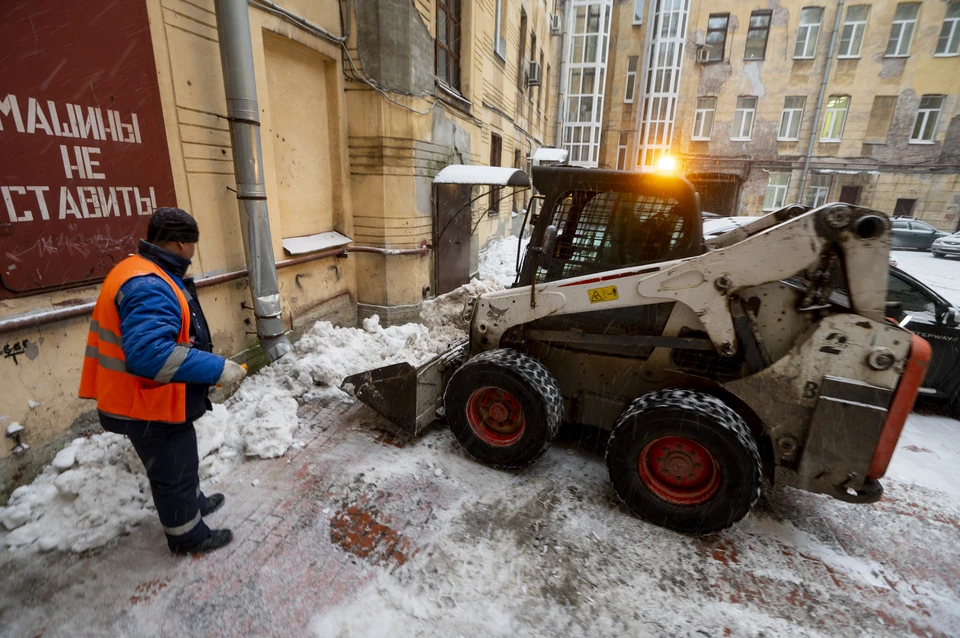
x=952 y=407
x=530 y=383
x=710 y=423
x=939 y=255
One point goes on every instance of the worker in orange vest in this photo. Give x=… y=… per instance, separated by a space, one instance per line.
x=149 y=364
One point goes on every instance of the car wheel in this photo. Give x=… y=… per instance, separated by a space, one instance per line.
x=684 y=460
x=939 y=255
x=953 y=407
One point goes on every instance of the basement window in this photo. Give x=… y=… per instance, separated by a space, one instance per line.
x=776 y=194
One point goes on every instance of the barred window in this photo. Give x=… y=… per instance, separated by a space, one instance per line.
x=609 y=230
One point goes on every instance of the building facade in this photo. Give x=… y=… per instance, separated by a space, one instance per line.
x=799 y=102
x=361 y=103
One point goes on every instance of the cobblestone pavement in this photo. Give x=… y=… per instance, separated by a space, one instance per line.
x=357 y=514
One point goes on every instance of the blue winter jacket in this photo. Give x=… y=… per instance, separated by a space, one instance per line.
x=150 y=325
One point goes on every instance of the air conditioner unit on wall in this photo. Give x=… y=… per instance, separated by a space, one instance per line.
x=703 y=54
x=556 y=24
x=533 y=73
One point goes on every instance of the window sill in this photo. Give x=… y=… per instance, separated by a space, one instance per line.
x=754 y=60
x=823 y=141
x=788 y=139
x=806 y=59
x=946 y=55
x=896 y=57
x=709 y=62
x=848 y=57
x=500 y=56
x=699 y=139
x=739 y=139
x=451 y=96
x=922 y=142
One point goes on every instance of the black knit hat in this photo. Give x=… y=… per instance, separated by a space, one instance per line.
x=172 y=224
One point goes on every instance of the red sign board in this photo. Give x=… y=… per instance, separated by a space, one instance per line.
x=83 y=152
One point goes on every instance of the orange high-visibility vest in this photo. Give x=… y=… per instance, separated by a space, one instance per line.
x=105 y=377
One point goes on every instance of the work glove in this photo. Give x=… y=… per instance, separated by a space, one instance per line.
x=232 y=375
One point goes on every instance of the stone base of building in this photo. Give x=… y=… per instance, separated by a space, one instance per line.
x=21 y=469
x=390 y=315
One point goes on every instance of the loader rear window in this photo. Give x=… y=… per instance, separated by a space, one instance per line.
x=599 y=231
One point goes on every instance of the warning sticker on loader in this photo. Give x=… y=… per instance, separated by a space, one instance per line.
x=599 y=295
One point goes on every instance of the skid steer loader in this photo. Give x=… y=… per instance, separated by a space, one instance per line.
x=713 y=366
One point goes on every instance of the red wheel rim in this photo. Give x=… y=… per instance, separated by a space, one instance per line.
x=495 y=416
x=679 y=470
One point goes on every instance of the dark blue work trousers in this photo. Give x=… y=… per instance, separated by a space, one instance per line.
x=169 y=454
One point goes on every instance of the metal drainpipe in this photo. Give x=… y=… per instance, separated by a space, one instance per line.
x=823 y=89
x=562 y=84
x=243 y=112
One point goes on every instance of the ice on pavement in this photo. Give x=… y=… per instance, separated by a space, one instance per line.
x=95 y=488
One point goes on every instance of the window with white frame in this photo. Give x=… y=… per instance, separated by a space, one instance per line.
x=851 y=36
x=928 y=116
x=586 y=70
x=622 y=144
x=703 y=118
x=743 y=118
x=500 y=31
x=790 y=118
x=901 y=31
x=638 y=11
x=633 y=62
x=661 y=86
x=776 y=194
x=949 y=42
x=818 y=191
x=808 y=32
x=834 y=117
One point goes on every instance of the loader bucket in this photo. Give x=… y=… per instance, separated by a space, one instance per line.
x=407 y=396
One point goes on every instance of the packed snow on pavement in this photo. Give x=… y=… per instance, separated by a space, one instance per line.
x=533 y=552
x=96 y=488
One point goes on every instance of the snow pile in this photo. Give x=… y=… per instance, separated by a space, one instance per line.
x=497 y=262
x=93 y=491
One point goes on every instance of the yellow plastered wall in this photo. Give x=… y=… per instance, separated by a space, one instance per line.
x=305 y=164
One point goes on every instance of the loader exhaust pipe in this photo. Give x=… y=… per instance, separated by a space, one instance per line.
x=240 y=86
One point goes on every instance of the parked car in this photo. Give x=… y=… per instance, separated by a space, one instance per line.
x=949 y=245
x=913 y=234
x=719 y=225
x=716 y=226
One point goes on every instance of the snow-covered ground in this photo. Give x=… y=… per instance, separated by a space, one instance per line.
x=547 y=550
x=943 y=275
x=96 y=489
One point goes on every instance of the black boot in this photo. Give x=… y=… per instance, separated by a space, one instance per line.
x=214 y=502
x=217 y=539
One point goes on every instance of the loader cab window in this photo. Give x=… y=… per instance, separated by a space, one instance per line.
x=599 y=231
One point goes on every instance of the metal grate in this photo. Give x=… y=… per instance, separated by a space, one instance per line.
x=706 y=363
x=609 y=230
